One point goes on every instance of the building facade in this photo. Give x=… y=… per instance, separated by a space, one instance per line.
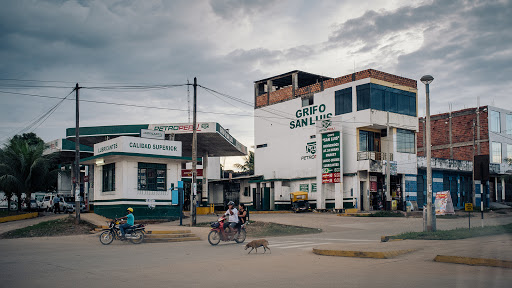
x=372 y=119
x=480 y=136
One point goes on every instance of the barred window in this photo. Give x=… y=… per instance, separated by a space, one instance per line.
x=152 y=177
x=405 y=141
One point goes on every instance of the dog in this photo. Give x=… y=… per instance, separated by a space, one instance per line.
x=255 y=244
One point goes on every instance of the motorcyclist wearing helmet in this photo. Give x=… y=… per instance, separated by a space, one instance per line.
x=232 y=213
x=130 y=221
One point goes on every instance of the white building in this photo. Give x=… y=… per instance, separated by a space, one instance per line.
x=291 y=155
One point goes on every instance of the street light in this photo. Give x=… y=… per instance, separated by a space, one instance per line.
x=427 y=79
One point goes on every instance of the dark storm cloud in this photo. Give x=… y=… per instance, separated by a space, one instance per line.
x=467 y=46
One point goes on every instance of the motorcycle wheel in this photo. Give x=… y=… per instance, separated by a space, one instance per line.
x=139 y=237
x=240 y=237
x=106 y=237
x=214 y=237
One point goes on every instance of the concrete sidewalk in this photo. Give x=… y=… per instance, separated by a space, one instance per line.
x=482 y=251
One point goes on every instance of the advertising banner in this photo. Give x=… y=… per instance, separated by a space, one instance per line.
x=444 y=204
x=331 y=157
x=139 y=145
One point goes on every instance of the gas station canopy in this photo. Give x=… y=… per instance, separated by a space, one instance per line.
x=212 y=138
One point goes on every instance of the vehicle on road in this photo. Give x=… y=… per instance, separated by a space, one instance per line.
x=217 y=228
x=300 y=201
x=135 y=233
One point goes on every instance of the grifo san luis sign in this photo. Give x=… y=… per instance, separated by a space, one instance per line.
x=307 y=116
x=138 y=145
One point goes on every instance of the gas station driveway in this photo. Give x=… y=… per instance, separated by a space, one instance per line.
x=81 y=261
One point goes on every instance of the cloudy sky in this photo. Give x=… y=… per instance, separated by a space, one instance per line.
x=227 y=45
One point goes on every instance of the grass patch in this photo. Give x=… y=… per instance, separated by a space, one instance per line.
x=269 y=229
x=59 y=227
x=459 y=233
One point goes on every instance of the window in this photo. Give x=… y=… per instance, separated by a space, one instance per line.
x=261 y=145
x=496 y=152
x=495 y=121
x=405 y=141
x=152 y=177
x=343 y=101
x=246 y=191
x=363 y=97
x=109 y=177
x=369 y=141
x=509 y=124
x=384 y=98
x=307 y=101
x=509 y=151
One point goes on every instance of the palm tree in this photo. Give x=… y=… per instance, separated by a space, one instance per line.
x=248 y=165
x=24 y=169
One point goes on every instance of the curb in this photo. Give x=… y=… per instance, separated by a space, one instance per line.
x=19 y=217
x=355 y=215
x=388 y=239
x=362 y=254
x=473 y=261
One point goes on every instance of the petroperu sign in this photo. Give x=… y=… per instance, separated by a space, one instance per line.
x=308 y=116
x=177 y=128
x=138 y=145
x=310 y=151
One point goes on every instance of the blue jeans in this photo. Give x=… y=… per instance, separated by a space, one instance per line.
x=124 y=226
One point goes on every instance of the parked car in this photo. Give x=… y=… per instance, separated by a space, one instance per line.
x=48 y=204
x=34 y=206
x=71 y=202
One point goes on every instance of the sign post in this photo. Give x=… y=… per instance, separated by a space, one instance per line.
x=469 y=207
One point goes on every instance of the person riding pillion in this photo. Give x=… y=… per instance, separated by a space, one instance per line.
x=130 y=221
x=232 y=213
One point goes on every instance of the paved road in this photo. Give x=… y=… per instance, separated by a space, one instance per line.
x=84 y=262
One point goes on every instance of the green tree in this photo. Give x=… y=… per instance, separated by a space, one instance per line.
x=248 y=165
x=23 y=168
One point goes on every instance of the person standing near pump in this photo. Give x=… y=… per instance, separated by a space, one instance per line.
x=130 y=221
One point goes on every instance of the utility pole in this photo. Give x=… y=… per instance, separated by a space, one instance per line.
x=77 y=157
x=388 y=166
x=427 y=79
x=194 y=161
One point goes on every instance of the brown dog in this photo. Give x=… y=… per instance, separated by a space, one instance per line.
x=258 y=243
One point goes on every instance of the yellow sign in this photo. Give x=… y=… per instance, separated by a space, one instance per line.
x=468 y=206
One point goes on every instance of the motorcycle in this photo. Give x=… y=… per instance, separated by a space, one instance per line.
x=216 y=234
x=135 y=233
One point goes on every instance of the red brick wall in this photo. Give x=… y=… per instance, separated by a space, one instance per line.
x=286 y=93
x=462 y=132
x=280 y=95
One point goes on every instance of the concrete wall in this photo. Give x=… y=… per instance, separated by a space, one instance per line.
x=126 y=192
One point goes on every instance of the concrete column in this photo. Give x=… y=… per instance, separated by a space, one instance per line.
x=450 y=134
x=320 y=198
x=338 y=195
x=269 y=89
x=503 y=189
x=295 y=83
x=495 y=189
x=205 y=196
